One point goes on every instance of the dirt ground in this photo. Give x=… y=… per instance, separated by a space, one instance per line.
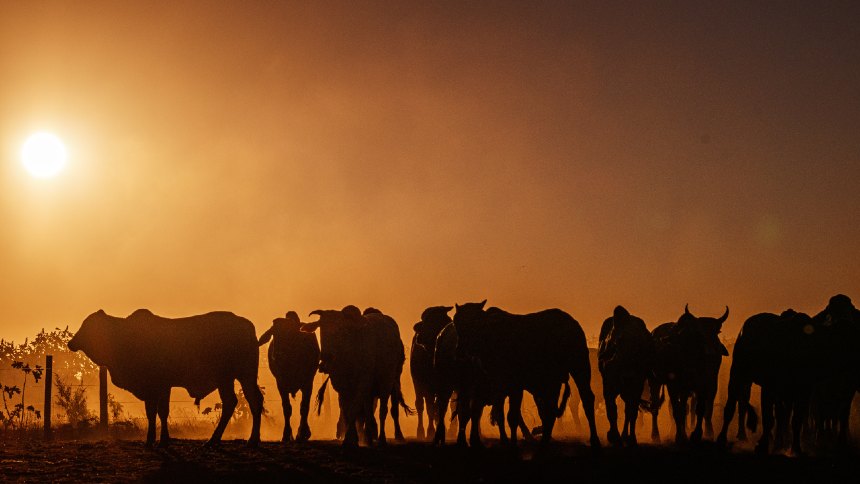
x=33 y=460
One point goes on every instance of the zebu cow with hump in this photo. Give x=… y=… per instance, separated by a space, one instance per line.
x=839 y=378
x=782 y=354
x=533 y=352
x=293 y=359
x=148 y=355
x=364 y=356
x=687 y=361
x=625 y=360
x=433 y=319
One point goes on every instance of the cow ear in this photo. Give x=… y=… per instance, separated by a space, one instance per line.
x=418 y=326
x=457 y=306
x=483 y=303
x=101 y=312
x=723 y=349
x=265 y=337
x=309 y=327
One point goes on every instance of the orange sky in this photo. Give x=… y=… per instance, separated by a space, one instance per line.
x=262 y=157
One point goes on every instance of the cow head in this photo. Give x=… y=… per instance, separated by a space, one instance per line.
x=282 y=327
x=433 y=319
x=703 y=332
x=338 y=333
x=839 y=308
x=94 y=337
x=471 y=322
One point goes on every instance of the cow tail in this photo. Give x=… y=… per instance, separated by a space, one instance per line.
x=398 y=396
x=563 y=405
x=321 y=395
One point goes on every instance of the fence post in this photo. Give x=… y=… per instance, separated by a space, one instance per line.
x=103 y=399
x=46 y=409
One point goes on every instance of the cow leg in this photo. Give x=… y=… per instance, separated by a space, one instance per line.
x=767 y=404
x=254 y=396
x=163 y=410
x=475 y=434
x=547 y=409
x=798 y=417
x=654 y=405
x=631 y=412
x=395 y=415
x=348 y=415
x=609 y=397
x=419 y=408
x=728 y=415
x=462 y=410
x=151 y=407
x=304 y=433
x=679 y=413
x=340 y=429
x=288 y=411
x=573 y=405
x=709 y=418
x=228 y=405
x=454 y=426
x=582 y=377
x=701 y=404
x=515 y=416
x=441 y=412
x=782 y=424
x=497 y=413
x=383 y=414
x=431 y=415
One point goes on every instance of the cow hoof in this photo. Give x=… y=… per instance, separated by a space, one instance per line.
x=163 y=444
x=631 y=441
x=696 y=437
x=149 y=444
x=303 y=436
x=420 y=434
x=722 y=441
x=595 y=441
x=613 y=438
x=253 y=442
x=211 y=443
x=761 y=449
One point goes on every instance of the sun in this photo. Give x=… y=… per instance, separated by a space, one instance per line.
x=43 y=155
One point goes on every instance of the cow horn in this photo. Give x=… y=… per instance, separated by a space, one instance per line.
x=725 y=316
x=687 y=308
x=318 y=312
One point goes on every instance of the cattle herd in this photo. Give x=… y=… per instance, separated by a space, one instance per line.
x=808 y=368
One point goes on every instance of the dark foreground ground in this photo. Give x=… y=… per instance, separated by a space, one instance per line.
x=325 y=461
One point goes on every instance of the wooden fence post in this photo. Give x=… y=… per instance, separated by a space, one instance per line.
x=103 y=399
x=46 y=409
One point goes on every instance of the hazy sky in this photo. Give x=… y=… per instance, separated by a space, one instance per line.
x=261 y=157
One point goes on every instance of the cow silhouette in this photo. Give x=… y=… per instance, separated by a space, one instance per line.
x=293 y=360
x=148 y=355
x=688 y=354
x=625 y=359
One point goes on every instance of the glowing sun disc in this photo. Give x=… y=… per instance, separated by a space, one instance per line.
x=43 y=155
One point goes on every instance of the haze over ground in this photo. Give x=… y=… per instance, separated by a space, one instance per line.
x=260 y=158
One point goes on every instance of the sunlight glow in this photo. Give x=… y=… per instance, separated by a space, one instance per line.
x=43 y=155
